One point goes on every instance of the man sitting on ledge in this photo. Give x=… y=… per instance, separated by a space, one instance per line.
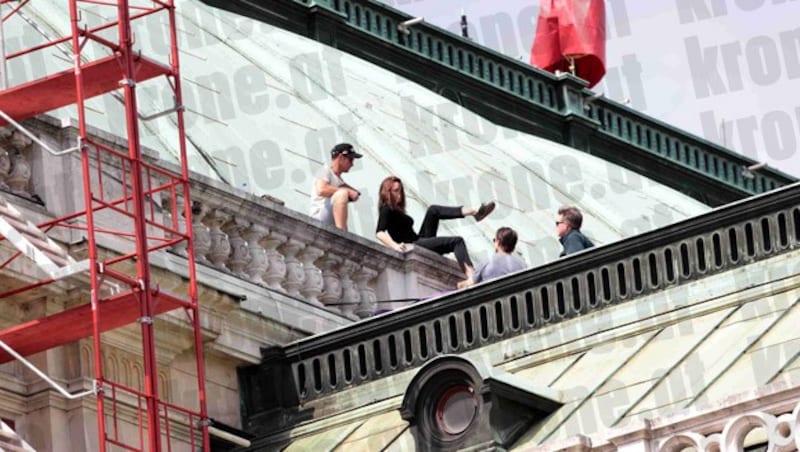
x=501 y=263
x=331 y=194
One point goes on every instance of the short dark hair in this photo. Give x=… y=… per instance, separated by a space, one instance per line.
x=506 y=238
x=572 y=215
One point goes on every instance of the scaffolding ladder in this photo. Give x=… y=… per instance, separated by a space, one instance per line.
x=140 y=217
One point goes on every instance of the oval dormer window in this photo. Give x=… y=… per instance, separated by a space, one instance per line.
x=456 y=409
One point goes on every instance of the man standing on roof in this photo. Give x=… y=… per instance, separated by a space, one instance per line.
x=331 y=195
x=501 y=263
x=568 y=227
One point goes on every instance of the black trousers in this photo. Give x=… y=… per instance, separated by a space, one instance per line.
x=443 y=245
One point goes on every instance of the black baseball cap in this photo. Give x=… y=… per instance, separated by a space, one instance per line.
x=345 y=149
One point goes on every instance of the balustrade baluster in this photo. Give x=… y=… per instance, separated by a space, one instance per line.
x=366 y=307
x=220 y=247
x=277 y=267
x=331 y=283
x=350 y=297
x=312 y=288
x=239 y=255
x=258 y=263
x=295 y=277
x=202 y=236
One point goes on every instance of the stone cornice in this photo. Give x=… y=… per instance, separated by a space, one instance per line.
x=728 y=238
x=559 y=269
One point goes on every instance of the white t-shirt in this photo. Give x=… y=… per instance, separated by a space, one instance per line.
x=321 y=206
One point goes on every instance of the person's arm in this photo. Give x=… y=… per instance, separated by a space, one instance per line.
x=465 y=283
x=477 y=276
x=326 y=190
x=386 y=239
x=382 y=231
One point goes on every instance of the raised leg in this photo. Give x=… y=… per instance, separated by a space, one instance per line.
x=339 y=202
x=430 y=225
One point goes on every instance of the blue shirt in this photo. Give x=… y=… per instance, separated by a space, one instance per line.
x=498 y=265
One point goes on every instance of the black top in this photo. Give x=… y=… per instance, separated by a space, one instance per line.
x=399 y=225
x=574 y=241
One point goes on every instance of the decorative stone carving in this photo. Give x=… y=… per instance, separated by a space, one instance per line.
x=19 y=177
x=176 y=220
x=331 y=286
x=239 y=255
x=220 y=247
x=683 y=441
x=200 y=232
x=312 y=288
x=294 y=269
x=781 y=432
x=257 y=263
x=5 y=168
x=350 y=297
x=366 y=307
x=277 y=267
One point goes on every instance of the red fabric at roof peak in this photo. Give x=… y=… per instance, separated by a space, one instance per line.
x=571 y=28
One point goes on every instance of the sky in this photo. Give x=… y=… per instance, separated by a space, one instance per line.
x=726 y=70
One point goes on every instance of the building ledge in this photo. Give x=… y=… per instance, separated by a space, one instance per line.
x=730 y=237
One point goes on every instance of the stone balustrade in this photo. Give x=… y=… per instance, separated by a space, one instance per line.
x=262 y=241
x=770 y=413
x=255 y=239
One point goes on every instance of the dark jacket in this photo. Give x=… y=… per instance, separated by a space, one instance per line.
x=574 y=241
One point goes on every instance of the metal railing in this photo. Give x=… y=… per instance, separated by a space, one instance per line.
x=46 y=378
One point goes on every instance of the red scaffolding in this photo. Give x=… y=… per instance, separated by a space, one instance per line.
x=145 y=223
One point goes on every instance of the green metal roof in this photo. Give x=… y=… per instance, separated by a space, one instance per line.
x=676 y=350
x=264 y=106
x=516 y=95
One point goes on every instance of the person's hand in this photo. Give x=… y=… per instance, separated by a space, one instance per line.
x=403 y=247
x=354 y=195
x=465 y=283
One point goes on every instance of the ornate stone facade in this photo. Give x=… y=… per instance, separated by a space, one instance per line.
x=266 y=275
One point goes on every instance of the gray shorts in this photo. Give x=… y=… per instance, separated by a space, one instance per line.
x=326 y=212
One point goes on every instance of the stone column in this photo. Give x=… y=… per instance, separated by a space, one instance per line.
x=20 y=176
x=277 y=267
x=240 y=255
x=220 y=248
x=5 y=168
x=295 y=277
x=313 y=282
x=331 y=286
x=202 y=237
x=176 y=215
x=257 y=263
x=350 y=297
x=366 y=308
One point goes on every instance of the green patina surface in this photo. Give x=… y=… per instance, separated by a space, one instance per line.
x=520 y=96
